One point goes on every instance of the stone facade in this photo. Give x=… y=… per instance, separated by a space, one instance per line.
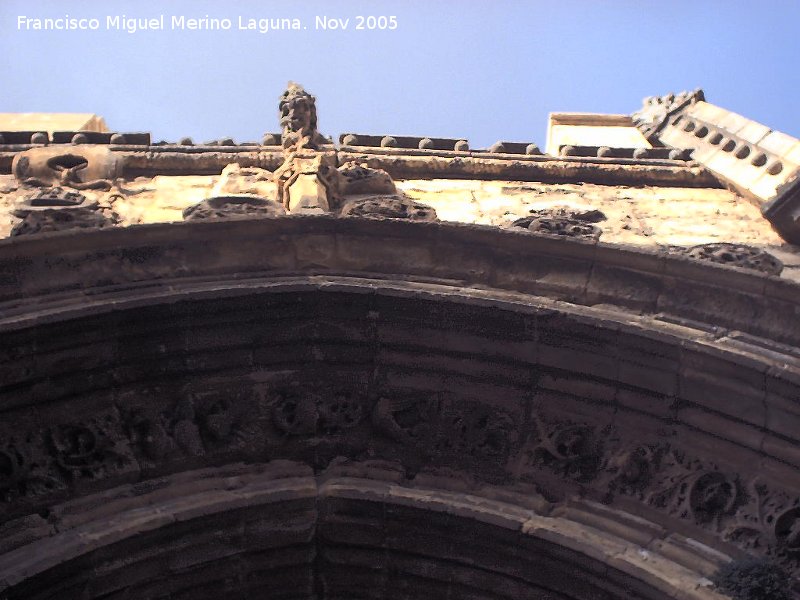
x=394 y=368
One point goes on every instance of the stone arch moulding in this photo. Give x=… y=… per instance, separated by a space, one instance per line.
x=238 y=406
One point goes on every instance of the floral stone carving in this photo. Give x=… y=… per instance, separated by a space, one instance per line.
x=689 y=489
x=388 y=207
x=736 y=255
x=24 y=470
x=312 y=413
x=57 y=209
x=233 y=206
x=569 y=449
x=446 y=427
x=563 y=222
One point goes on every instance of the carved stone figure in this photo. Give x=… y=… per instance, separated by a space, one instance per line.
x=631 y=470
x=298 y=113
x=310 y=181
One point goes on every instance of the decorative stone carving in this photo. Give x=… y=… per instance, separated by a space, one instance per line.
x=563 y=222
x=767 y=523
x=95 y=448
x=631 y=470
x=56 y=209
x=149 y=435
x=298 y=113
x=23 y=471
x=404 y=420
x=787 y=530
x=688 y=489
x=568 y=449
x=446 y=427
x=388 y=207
x=85 y=450
x=80 y=167
x=308 y=182
x=253 y=181
x=312 y=413
x=361 y=179
x=216 y=418
x=737 y=255
x=434 y=429
x=657 y=110
x=52 y=198
x=712 y=495
x=233 y=206
x=474 y=431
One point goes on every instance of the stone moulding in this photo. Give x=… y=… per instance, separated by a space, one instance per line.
x=581 y=272
x=404 y=164
x=566 y=553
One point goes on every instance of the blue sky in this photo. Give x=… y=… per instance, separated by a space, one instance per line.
x=484 y=71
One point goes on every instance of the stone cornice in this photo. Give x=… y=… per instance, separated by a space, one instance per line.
x=401 y=163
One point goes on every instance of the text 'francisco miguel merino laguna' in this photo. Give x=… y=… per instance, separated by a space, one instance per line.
x=183 y=23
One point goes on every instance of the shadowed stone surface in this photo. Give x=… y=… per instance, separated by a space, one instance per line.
x=558 y=378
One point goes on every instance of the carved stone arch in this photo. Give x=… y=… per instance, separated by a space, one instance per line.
x=552 y=410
